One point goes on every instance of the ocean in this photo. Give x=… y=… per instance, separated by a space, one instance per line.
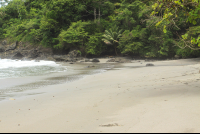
x=20 y=78
x=18 y=68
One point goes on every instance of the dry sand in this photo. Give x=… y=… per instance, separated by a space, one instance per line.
x=162 y=98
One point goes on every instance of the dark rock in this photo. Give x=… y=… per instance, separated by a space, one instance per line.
x=59 y=58
x=4 y=43
x=2 y=48
x=67 y=59
x=149 y=64
x=12 y=46
x=71 y=63
x=95 y=60
x=18 y=55
x=90 y=66
x=72 y=56
x=33 y=54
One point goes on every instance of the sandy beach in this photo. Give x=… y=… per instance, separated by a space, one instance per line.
x=133 y=98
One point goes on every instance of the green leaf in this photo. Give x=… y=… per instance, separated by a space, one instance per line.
x=164 y=30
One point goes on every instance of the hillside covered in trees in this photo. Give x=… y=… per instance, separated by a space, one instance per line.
x=144 y=28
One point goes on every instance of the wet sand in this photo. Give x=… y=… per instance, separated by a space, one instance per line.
x=130 y=98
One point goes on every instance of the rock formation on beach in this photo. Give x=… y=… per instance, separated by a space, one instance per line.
x=26 y=51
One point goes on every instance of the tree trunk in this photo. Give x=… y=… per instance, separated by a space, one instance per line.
x=99 y=16
x=115 y=50
x=95 y=14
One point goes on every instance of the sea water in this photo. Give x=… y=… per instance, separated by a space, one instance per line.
x=19 y=68
x=19 y=78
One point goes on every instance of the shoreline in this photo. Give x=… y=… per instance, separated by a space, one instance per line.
x=129 y=98
x=14 y=87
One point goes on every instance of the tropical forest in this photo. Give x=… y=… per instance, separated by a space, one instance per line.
x=143 y=28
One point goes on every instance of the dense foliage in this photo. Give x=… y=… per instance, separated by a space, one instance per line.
x=155 y=28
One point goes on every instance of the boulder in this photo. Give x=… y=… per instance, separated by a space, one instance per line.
x=2 y=48
x=18 y=55
x=12 y=46
x=149 y=64
x=33 y=54
x=59 y=57
x=95 y=60
x=4 y=43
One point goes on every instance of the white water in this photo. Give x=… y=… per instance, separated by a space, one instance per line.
x=17 y=68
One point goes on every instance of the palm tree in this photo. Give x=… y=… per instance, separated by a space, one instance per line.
x=111 y=37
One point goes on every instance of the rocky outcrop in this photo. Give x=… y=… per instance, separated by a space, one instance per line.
x=95 y=60
x=72 y=56
x=2 y=48
x=19 y=50
x=32 y=54
x=12 y=46
x=18 y=55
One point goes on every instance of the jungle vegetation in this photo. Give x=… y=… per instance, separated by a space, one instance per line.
x=144 y=28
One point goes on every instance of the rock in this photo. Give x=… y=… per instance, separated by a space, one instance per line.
x=71 y=63
x=149 y=64
x=33 y=54
x=4 y=43
x=2 y=48
x=74 y=54
x=177 y=57
x=90 y=66
x=12 y=46
x=50 y=59
x=111 y=60
x=18 y=55
x=95 y=60
x=59 y=57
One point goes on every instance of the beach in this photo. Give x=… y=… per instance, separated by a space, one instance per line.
x=130 y=98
